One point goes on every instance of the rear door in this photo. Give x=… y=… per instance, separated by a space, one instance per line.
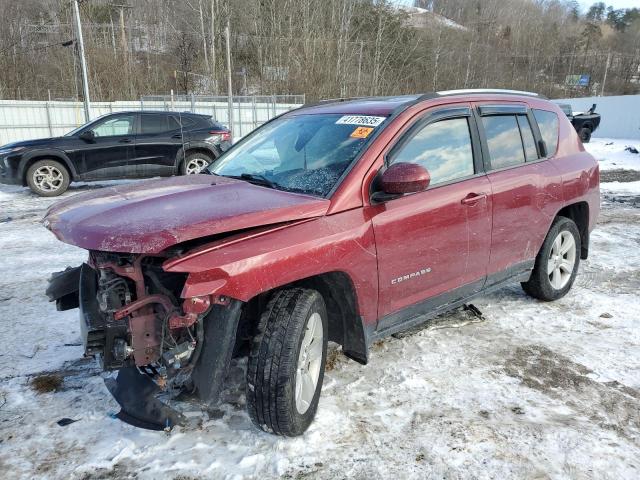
x=158 y=141
x=433 y=246
x=524 y=187
x=108 y=154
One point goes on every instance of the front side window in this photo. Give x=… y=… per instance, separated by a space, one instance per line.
x=443 y=148
x=503 y=140
x=153 y=123
x=115 y=126
x=548 y=124
x=303 y=153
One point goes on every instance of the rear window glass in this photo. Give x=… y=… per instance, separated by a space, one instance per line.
x=530 y=150
x=153 y=123
x=548 y=124
x=503 y=140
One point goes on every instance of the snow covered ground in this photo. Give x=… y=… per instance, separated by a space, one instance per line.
x=535 y=390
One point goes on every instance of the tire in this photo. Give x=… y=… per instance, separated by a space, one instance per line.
x=585 y=134
x=48 y=178
x=546 y=285
x=195 y=162
x=273 y=374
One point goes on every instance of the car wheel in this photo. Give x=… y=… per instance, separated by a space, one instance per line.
x=195 y=163
x=286 y=363
x=585 y=134
x=48 y=178
x=557 y=262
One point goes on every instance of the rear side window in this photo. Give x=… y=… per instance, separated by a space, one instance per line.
x=153 y=123
x=503 y=140
x=443 y=148
x=530 y=150
x=548 y=125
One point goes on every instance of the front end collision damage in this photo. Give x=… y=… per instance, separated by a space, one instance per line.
x=131 y=321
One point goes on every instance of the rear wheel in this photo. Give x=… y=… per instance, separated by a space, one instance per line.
x=557 y=262
x=195 y=163
x=48 y=178
x=286 y=364
x=585 y=134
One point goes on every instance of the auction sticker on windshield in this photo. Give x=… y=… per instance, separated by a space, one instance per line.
x=366 y=120
x=361 y=132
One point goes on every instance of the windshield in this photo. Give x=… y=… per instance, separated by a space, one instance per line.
x=304 y=153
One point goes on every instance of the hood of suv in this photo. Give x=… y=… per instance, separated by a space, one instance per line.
x=36 y=142
x=148 y=217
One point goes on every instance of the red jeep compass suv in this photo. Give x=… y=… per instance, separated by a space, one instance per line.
x=347 y=220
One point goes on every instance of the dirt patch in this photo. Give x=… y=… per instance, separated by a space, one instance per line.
x=46 y=383
x=611 y=405
x=333 y=357
x=619 y=175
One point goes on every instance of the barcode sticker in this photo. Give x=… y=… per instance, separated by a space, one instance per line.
x=366 y=120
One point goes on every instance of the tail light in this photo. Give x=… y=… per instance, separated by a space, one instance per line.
x=224 y=135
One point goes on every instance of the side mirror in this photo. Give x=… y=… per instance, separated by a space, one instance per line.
x=401 y=178
x=88 y=135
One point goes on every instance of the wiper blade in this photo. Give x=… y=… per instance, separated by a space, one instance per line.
x=256 y=179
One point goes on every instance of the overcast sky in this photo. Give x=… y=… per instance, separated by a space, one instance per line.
x=614 y=3
x=585 y=3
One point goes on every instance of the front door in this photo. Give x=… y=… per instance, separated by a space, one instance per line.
x=433 y=246
x=107 y=155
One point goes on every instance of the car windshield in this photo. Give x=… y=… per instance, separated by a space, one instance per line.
x=304 y=153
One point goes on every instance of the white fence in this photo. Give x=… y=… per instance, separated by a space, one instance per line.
x=24 y=120
x=620 y=115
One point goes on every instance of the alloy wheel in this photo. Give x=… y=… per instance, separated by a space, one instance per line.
x=309 y=363
x=195 y=165
x=48 y=178
x=562 y=260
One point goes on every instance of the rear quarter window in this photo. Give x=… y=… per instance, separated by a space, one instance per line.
x=548 y=124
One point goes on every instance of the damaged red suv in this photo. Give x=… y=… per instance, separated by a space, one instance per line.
x=346 y=221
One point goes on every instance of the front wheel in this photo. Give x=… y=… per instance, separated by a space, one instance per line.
x=286 y=363
x=557 y=262
x=48 y=178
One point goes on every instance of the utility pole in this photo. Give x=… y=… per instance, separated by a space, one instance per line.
x=83 y=63
x=229 y=84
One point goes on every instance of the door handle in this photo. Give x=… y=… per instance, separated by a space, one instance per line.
x=177 y=135
x=473 y=198
x=125 y=140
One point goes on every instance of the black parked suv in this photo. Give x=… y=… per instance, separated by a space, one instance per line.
x=115 y=146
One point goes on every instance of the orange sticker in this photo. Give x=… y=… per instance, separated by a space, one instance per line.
x=361 y=132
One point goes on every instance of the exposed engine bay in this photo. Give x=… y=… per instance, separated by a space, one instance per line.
x=133 y=320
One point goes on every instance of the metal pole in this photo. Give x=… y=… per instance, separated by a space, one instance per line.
x=83 y=63
x=606 y=70
x=229 y=84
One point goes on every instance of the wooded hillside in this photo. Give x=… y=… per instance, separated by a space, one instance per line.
x=325 y=49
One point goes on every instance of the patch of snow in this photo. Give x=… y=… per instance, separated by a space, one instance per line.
x=632 y=188
x=611 y=153
x=536 y=390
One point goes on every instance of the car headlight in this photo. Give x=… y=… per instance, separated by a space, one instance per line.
x=6 y=151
